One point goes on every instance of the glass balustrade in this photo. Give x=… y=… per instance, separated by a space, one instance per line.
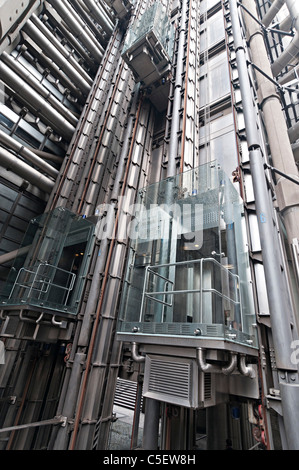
x=188 y=268
x=50 y=269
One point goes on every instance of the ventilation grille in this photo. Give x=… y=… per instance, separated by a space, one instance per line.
x=177 y=381
x=208 y=392
x=170 y=378
x=173 y=329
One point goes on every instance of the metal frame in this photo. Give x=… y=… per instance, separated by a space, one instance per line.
x=149 y=294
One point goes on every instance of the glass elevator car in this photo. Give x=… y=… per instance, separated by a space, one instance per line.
x=49 y=272
x=148 y=51
x=188 y=271
x=187 y=306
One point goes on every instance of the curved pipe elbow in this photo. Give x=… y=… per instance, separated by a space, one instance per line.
x=135 y=356
x=202 y=364
x=244 y=369
x=229 y=369
x=205 y=367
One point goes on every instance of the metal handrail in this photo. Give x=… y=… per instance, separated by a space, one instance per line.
x=201 y=290
x=45 y=282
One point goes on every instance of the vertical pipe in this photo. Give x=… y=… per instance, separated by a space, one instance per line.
x=99 y=307
x=175 y=121
x=151 y=424
x=278 y=302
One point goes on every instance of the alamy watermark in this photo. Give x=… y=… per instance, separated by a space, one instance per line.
x=156 y=222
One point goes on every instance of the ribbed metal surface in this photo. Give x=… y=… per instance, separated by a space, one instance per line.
x=125 y=393
x=170 y=378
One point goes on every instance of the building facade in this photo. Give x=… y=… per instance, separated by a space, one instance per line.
x=149 y=224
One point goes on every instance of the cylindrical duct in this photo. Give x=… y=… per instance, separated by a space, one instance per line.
x=36 y=103
x=11 y=162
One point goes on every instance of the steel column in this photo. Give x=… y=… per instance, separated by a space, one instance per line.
x=278 y=302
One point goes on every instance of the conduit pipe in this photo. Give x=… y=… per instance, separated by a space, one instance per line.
x=175 y=121
x=68 y=56
x=294 y=132
x=10 y=38
x=47 y=155
x=90 y=22
x=40 y=89
x=246 y=370
x=277 y=132
x=13 y=254
x=287 y=56
x=27 y=154
x=68 y=35
x=102 y=293
x=214 y=369
x=272 y=12
x=287 y=77
x=79 y=28
x=99 y=15
x=50 y=51
x=35 y=102
x=279 y=302
x=292 y=49
x=135 y=355
x=48 y=63
x=109 y=221
x=11 y=162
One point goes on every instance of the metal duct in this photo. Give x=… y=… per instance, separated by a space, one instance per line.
x=49 y=49
x=135 y=356
x=79 y=28
x=100 y=16
x=244 y=369
x=175 y=121
x=48 y=34
x=11 y=162
x=287 y=56
x=34 y=101
x=295 y=148
x=292 y=50
x=68 y=35
x=272 y=12
x=294 y=133
x=210 y=368
x=291 y=75
x=18 y=68
x=27 y=154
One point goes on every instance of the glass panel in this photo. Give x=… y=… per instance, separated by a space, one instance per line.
x=188 y=268
x=155 y=20
x=215 y=83
x=212 y=31
x=51 y=266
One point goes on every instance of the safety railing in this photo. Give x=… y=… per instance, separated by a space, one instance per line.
x=227 y=289
x=42 y=282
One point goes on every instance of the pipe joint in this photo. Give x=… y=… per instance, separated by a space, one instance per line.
x=244 y=369
x=210 y=368
x=135 y=355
